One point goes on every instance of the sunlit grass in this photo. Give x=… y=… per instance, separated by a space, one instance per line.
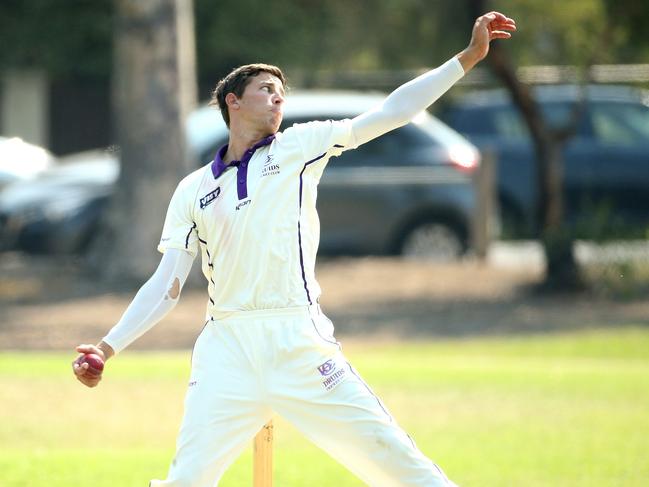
x=560 y=410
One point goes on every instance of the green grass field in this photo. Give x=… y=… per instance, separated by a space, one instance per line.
x=550 y=410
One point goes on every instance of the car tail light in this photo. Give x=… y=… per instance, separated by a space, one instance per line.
x=464 y=158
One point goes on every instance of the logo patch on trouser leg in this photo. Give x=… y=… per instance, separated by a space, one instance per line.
x=332 y=373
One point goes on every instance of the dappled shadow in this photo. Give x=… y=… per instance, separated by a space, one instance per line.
x=39 y=279
x=457 y=318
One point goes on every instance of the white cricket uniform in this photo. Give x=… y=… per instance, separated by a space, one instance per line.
x=267 y=347
x=256 y=224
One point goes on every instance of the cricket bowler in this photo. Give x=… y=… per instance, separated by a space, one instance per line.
x=267 y=347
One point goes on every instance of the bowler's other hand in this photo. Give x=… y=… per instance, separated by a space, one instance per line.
x=488 y=27
x=83 y=375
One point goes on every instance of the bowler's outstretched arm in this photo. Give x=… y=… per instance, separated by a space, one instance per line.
x=404 y=103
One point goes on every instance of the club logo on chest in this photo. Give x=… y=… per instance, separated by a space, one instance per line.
x=270 y=167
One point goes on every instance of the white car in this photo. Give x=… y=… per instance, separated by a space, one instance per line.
x=20 y=161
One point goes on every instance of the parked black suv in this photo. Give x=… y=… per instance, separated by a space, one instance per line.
x=606 y=163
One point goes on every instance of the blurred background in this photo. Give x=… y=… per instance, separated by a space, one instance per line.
x=517 y=206
x=103 y=111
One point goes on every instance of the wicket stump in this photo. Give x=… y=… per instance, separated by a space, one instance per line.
x=262 y=474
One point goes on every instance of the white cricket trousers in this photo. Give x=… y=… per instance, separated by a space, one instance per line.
x=253 y=364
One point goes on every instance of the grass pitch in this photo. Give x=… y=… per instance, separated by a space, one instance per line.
x=552 y=410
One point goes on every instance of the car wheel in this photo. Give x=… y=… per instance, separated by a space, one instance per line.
x=434 y=242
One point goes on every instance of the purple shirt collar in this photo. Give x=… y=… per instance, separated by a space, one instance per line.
x=218 y=166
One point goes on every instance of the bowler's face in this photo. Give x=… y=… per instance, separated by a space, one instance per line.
x=262 y=102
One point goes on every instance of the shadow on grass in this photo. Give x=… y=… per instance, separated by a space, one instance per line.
x=519 y=315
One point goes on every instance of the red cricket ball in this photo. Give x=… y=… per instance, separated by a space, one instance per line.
x=95 y=363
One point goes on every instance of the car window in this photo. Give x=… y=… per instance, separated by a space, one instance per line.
x=471 y=121
x=508 y=123
x=377 y=152
x=383 y=151
x=620 y=123
x=558 y=115
x=503 y=121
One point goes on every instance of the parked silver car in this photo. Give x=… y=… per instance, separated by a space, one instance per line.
x=408 y=192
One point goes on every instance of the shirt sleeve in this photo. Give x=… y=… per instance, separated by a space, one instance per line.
x=404 y=103
x=179 y=231
x=324 y=138
x=153 y=301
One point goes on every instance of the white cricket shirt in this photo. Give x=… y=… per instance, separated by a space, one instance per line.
x=254 y=221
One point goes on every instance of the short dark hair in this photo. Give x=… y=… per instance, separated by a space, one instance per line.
x=236 y=83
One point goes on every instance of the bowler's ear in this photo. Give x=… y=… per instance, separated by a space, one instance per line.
x=232 y=101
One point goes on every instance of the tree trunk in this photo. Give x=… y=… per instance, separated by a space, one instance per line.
x=154 y=89
x=562 y=271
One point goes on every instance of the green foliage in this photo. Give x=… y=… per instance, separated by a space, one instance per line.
x=618 y=279
x=74 y=37
x=562 y=33
x=64 y=38
x=561 y=410
x=365 y=34
x=629 y=18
